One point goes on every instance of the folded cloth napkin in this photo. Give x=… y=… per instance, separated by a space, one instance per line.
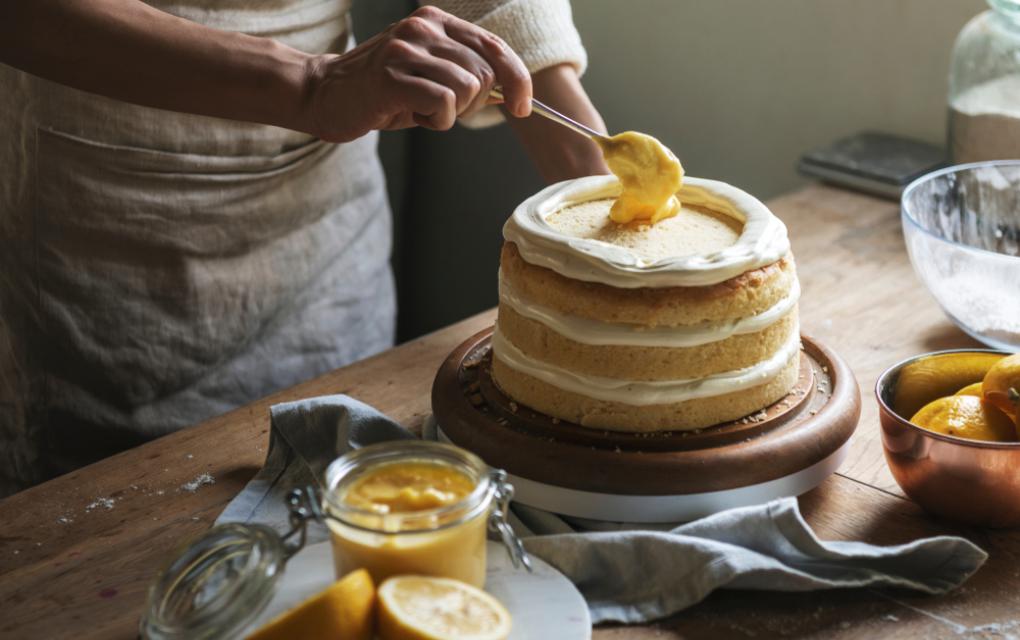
x=630 y=573
x=304 y=437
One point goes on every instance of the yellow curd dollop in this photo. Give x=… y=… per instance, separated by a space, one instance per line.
x=407 y=487
x=649 y=173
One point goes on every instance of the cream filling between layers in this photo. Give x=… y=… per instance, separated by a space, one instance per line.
x=762 y=241
x=644 y=393
x=594 y=332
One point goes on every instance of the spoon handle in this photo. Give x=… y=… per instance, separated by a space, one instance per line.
x=554 y=115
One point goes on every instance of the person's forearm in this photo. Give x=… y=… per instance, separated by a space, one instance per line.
x=558 y=152
x=126 y=50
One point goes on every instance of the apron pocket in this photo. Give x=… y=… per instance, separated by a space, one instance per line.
x=190 y=203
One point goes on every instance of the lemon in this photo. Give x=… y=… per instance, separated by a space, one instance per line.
x=923 y=380
x=965 y=417
x=428 y=608
x=1002 y=386
x=344 y=610
x=970 y=390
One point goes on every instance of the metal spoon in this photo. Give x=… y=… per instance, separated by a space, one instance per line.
x=545 y=110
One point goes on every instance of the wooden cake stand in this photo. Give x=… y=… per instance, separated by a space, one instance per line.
x=784 y=450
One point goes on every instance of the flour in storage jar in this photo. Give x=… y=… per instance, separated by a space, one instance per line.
x=984 y=121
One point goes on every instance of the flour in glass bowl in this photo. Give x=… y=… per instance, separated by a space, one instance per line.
x=982 y=305
x=984 y=121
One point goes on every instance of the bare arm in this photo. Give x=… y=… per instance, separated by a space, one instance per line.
x=426 y=69
x=558 y=152
x=127 y=50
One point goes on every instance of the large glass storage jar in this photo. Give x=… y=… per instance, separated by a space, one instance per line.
x=984 y=86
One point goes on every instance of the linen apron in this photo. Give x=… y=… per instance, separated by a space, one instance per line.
x=157 y=268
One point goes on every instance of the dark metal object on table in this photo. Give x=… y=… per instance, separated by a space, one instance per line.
x=872 y=162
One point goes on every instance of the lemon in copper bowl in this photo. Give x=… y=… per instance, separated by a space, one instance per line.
x=949 y=443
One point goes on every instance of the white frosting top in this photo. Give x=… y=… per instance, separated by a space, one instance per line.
x=762 y=240
x=643 y=393
x=595 y=332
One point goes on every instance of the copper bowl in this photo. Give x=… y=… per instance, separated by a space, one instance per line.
x=967 y=480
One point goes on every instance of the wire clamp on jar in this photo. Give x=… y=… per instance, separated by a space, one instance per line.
x=303 y=506
x=503 y=493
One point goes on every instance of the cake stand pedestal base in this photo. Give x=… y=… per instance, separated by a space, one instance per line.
x=784 y=450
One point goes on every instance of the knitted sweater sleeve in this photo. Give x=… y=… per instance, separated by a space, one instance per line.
x=541 y=32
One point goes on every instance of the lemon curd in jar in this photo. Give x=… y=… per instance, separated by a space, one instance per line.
x=398 y=514
x=401 y=487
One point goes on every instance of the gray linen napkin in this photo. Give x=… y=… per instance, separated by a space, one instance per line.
x=304 y=438
x=629 y=573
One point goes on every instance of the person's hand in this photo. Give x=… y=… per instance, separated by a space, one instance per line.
x=425 y=70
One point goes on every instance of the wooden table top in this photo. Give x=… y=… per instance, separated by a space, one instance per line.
x=74 y=565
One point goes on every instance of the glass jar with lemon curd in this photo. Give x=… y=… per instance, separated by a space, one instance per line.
x=414 y=507
x=392 y=508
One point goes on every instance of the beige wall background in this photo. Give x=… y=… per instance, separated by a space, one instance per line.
x=741 y=88
x=738 y=88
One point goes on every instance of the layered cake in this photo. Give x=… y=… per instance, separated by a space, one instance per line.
x=677 y=325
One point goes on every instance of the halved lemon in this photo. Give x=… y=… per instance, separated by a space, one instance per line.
x=344 y=610
x=427 y=608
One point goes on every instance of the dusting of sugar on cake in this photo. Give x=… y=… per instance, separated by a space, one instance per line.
x=691 y=232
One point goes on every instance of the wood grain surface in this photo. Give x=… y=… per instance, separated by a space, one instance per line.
x=76 y=553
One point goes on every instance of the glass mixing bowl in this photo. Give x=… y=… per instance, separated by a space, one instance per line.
x=962 y=229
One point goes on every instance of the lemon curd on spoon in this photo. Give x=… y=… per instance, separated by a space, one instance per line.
x=650 y=176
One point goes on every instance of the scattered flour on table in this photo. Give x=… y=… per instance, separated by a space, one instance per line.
x=200 y=481
x=106 y=503
x=998 y=627
x=1006 y=630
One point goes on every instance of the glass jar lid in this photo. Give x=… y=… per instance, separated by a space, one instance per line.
x=217 y=585
x=1008 y=8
